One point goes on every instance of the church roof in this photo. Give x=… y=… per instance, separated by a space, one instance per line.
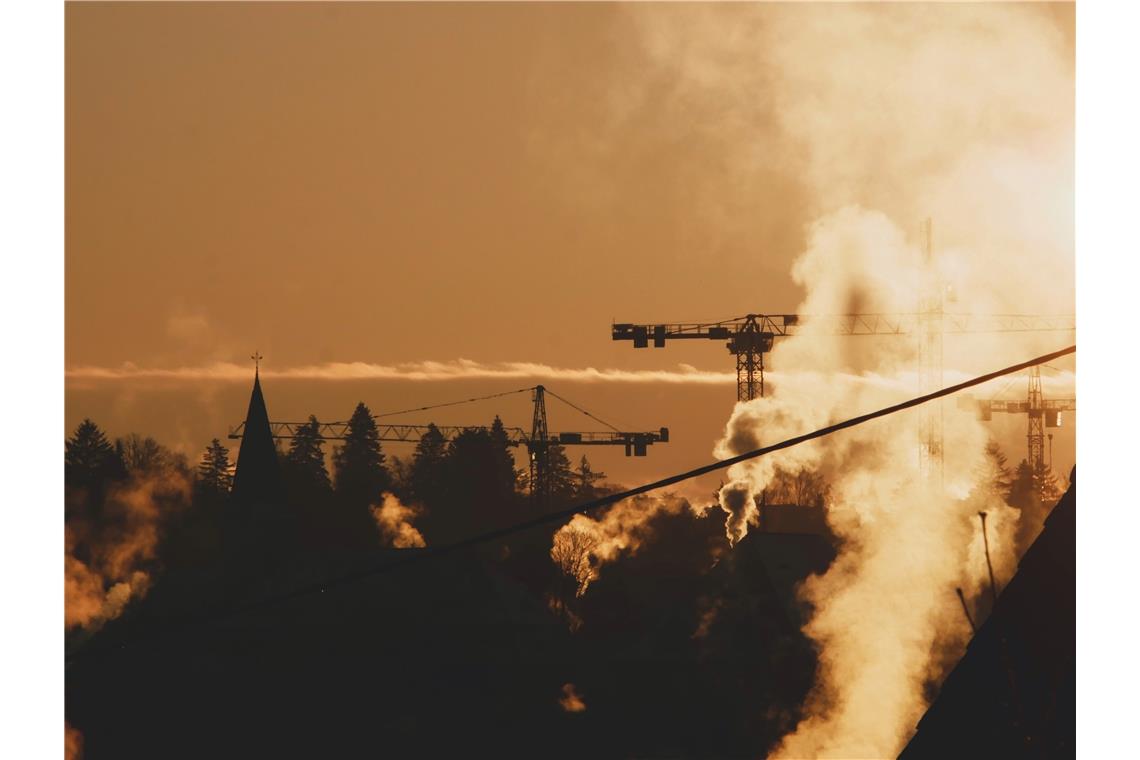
x=257 y=480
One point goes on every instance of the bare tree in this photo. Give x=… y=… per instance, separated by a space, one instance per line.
x=573 y=553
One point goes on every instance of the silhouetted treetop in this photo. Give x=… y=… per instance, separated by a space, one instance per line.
x=306 y=457
x=427 y=470
x=89 y=457
x=563 y=480
x=359 y=463
x=587 y=479
x=145 y=455
x=996 y=475
x=214 y=474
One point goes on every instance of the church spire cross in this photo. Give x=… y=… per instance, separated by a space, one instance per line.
x=257 y=357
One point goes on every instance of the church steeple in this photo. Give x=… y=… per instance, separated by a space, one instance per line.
x=258 y=476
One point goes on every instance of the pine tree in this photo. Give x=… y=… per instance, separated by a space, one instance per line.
x=1034 y=490
x=563 y=482
x=587 y=477
x=996 y=474
x=306 y=457
x=505 y=474
x=1022 y=493
x=359 y=463
x=1047 y=486
x=214 y=471
x=427 y=471
x=90 y=459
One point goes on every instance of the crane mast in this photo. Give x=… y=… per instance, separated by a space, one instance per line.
x=1041 y=413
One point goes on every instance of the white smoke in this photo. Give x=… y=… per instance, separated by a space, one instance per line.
x=887 y=602
x=879 y=115
x=395 y=523
x=584 y=545
x=119 y=548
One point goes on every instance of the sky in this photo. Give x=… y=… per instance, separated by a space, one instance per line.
x=400 y=184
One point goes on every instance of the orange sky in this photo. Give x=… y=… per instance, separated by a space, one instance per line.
x=395 y=183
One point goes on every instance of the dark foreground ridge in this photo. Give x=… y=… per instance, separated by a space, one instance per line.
x=466 y=656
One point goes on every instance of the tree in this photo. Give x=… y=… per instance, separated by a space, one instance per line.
x=305 y=461
x=1033 y=490
x=804 y=488
x=1034 y=493
x=504 y=473
x=359 y=463
x=90 y=460
x=146 y=455
x=400 y=468
x=573 y=552
x=1047 y=486
x=587 y=478
x=1021 y=487
x=426 y=478
x=467 y=487
x=214 y=473
x=563 y=482
x=996 y=474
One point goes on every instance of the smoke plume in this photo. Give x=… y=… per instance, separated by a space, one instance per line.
x=582 y=546
x=395 y=523
x=886 y=606
x=110 y=553
x=878 y=116
x=570 y=701
x=72 y=742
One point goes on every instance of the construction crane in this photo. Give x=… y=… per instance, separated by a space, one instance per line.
x=538 y=441
x=1041 y=414
x=750 y=337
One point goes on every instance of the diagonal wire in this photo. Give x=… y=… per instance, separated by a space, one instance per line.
x=453 y=403
x=583 y=411
x=564 y=514
x=1004 y=388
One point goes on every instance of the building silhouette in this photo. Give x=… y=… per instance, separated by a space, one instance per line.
x=256 y=528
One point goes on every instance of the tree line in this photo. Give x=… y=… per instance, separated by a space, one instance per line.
x=459 y=487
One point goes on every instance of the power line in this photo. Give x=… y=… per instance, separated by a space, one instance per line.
x=453 y=403
x=565 y=514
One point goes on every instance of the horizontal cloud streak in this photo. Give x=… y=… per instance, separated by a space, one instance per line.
x=460 y=369
x=903 y=383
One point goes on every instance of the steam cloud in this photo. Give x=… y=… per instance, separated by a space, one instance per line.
x=582 y=546
x=395 y=523
x=72 y=742
x=884 y=115
x=886 y=603
x=106 y=559
x=570 y=701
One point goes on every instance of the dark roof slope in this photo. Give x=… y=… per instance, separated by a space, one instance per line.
x=257 y=480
